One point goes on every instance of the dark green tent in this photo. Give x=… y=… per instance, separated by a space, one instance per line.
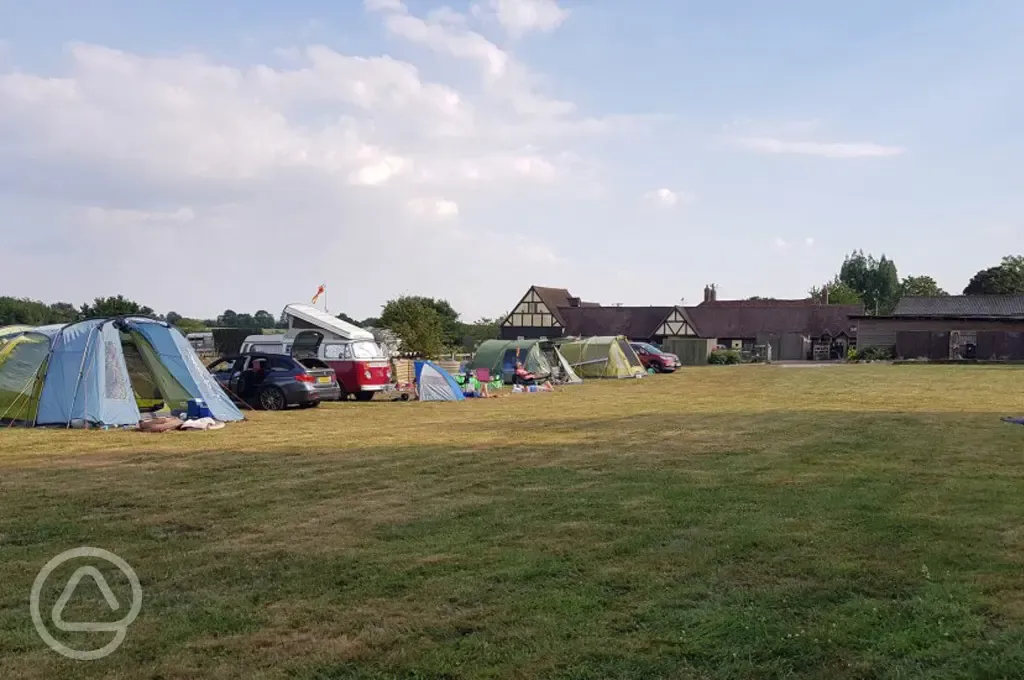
x=539 y=357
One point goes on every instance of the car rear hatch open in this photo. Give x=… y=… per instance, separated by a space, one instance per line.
x=323 y=375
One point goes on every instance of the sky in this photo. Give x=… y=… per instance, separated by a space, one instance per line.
x=200 y=156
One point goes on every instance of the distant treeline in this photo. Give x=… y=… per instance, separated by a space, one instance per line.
x=425 y=325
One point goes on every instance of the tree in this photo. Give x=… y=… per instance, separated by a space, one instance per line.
x=417 y=322
x=245 y=320
x=63 y=312
x=348 y=319
x=117 y=305
x=876 y=282
x=835 y=292
x=370 y=322
x=472 y=334
x=759 y=298
x=263 y=319
x=173 y=318
x=228 y=319
x=921 y=286
x=1005 y=279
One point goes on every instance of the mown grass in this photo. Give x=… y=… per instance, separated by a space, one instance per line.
x=732 y=522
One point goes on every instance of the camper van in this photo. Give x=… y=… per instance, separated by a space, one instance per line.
x=361 y=365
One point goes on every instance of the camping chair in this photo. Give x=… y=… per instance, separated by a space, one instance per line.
x=483 y=375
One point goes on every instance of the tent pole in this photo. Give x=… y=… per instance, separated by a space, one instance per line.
x=78 y=381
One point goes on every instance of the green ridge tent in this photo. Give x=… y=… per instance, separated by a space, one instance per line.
x=540 y=357
x=602 y=357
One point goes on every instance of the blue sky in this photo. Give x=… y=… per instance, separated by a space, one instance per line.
x=748 y=144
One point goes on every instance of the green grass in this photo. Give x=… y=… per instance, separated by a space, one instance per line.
x=722 y=522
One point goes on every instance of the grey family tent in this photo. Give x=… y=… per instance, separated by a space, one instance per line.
x=540 y=357
x=602 y=357
x=101 y=372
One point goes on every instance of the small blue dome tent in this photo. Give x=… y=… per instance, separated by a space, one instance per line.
x=100 y=371
x=433 y=383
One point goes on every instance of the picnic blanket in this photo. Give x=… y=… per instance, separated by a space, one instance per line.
x=1016 y=420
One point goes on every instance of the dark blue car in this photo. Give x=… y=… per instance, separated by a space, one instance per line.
x=273 y=382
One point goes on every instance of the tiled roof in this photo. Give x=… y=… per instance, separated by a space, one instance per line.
x=557 y=298
x=633 y=322
x=1011 y=306
x=748 y=320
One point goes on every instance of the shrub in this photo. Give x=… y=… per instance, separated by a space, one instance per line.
x=724 y=356
x=872 y=354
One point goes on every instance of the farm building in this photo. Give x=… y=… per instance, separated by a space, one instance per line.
x=555 y=313
x=951 y=327
x=795 y=329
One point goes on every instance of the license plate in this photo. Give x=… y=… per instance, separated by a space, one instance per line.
x=379 y=364
x=324 y=379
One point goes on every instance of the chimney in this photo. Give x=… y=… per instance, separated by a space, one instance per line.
x=574 y=302
x=714 y=292
x=707 y=293
x=824 y=293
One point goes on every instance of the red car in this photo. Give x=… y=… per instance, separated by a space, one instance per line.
x=652 y=357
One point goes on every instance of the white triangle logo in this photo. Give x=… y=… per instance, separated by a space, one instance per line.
x=69 y=590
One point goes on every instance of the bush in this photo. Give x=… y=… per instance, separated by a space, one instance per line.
x=871 y=354
x=724 y=356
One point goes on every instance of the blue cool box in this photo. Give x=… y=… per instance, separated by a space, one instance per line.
x=197 y=408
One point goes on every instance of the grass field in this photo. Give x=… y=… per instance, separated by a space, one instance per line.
x=725 y=522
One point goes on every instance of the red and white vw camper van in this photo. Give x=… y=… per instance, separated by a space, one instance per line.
x=361 y=365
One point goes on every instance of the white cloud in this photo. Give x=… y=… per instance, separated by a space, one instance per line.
x=801 y=137
x=433 y=207
x=822 y=149
x=108 y=217
x=519 y=17
x=809 y=241
x=336 y=151
x=384 y=5
x=668 y=197
x=502 y=76
x=781 y=243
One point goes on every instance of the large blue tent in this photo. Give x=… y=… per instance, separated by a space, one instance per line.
x=100 y=371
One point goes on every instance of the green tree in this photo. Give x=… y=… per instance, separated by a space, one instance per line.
x=876 y=281
x=836 y=292
x=63 y=312
x=117 y=305
x=921 y=286
x=370 y=322
x=472 y=334
x=23 y=311
x=1005 y=279
x=173 y=318
x=417 y=322
x=245 y=320
x=348 y=319
x=229 y=319
x=264 y=319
